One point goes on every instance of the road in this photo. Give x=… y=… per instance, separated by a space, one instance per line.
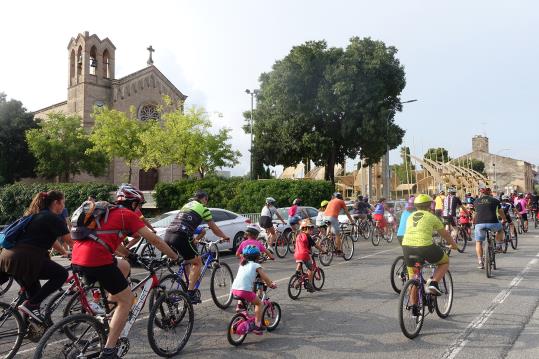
x=356 y=313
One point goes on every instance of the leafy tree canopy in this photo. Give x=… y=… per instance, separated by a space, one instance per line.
x=327 y=104
x=438 y=154
x=16 y=161
x=60 y=146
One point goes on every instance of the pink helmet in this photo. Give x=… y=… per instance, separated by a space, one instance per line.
x=129 y=193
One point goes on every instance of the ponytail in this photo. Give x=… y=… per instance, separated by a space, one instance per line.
x=43 y=200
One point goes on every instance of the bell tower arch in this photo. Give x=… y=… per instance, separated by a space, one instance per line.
x=91 y=72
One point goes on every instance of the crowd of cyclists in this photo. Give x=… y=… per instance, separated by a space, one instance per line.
x=106 y=260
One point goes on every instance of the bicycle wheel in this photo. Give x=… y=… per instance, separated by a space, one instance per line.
x=506 y=240
x=170 y=323
x=168 y=282
x=221 y=285
x=4 y=287
x=355 y=232
x=234 y=336
x=493 y=256
x=462 y=240
x=366 y=230
x=520 y=226
x=488 y=262
x=347 y=247
x=410 y=324
x=271 y=316
x=376 y=237
x=292 y=242
x=391 y=235
x=12 y=331
x=281 y=246
x=399 y=274
x=319 y=278
x=294 y=287
x=443 y=303
x=534 y=220
x=89 y=340
x=514 y=240
x=326 y=256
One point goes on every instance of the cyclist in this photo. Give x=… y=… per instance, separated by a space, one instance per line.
x=179 y=235
x=266 y=219
x=534 y=203
x=417 y=242
x=320 y=223
x=29 y=262
x=361 y=208
x=251 y=234
x=303 y=253
x=378 y=215
x=293 y=215
x=439 y=206
x=331 y=215
x=243 y=284
x=451 y=204
x=408 y=209
x=521 y=205
x=487 y=210
x=96 y=262
x=509 y=211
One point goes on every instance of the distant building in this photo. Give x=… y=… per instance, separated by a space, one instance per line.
x=507 y=174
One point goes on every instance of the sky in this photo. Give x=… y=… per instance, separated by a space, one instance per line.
x=472 y=65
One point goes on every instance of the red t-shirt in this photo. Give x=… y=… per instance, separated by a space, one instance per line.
x=303 y=247
x=92 y=254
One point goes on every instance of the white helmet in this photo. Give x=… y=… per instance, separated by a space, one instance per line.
x=270 y=200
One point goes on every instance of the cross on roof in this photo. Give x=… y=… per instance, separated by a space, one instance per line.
x=150 y=60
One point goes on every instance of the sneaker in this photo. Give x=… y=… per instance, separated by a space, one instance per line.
x=193 y=297
x=109 y=353
x=96 y=308
x=481 y=266
x=32 y=311
x=432 y=288
x=309 y=287
x=415 y=311
x=498 y=249
x=258 y=330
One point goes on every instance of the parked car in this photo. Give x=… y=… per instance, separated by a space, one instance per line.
x=285 y=228
x=232 y=224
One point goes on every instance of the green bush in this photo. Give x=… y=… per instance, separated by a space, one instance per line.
x=15 y=198
x=242 y=196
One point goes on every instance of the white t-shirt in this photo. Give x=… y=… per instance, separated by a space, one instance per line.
x=320 y=218
x=246 y=277
x=268 y=211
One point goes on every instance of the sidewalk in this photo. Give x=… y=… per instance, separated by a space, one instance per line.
x=527 y=343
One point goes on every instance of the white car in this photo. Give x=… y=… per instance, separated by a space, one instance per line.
x=232 y=224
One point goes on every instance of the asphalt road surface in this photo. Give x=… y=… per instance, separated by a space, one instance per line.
x=355 y=315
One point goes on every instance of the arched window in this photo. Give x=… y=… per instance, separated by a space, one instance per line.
x=79 y=61
x=93 y=60
x=106 y=64
x=148 y=112
x=72 y=67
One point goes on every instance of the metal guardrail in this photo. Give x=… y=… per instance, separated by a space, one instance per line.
x=254 y=217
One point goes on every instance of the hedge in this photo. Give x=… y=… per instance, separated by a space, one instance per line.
x=15 y=198
x=243 y=196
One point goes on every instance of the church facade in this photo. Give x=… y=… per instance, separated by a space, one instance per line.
x=92 y=82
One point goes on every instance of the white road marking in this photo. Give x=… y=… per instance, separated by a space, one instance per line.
x=455 y=348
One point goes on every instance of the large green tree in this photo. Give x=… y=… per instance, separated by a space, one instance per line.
x=327 y=104
x=216 y=152
x=438 y=154
x=118 y=134
x=60 y=146
x=16 y=161
x=405 y=171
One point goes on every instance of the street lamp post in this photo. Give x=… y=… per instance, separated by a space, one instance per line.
x=386 y=177
x=253 y=93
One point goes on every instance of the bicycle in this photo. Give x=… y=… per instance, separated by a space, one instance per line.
x=379 y=233
x=534 y=215
x=489 y=253
x=220 y=282
x=462 y=238
x=84 y=336
x=327 y=243
x=411 y=316
x=399 y=274
x=300 y=279
x=239 y=325
x=365 y=227
x=507 y=238
x=292 y=239
x=280 y=245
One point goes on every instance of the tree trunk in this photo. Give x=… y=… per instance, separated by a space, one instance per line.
x=330 y=167
x=130 y=171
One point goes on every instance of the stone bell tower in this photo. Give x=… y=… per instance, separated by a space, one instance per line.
x=91 y=72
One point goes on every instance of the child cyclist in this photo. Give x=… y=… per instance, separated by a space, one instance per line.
x=302 y=254
x=251 y=234
x=243 y=284
x=320 y=223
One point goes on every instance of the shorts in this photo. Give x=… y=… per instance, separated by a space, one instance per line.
x=438 y=212
x=110 y=277
x=265 y=222
x=381 y=220
x=244 y=294
x=449 y=220
x=308 y=264
x=524 y=216
x=181 y=242
x=334 y=223
x=481 y=234
x=508 y=218
x=432 y=254
x=293 y=220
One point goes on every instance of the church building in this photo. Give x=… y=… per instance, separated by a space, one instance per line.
x=92 y=82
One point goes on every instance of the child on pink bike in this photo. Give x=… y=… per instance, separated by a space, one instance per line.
x=251 y=234
x=303 y=253
x=243 y=285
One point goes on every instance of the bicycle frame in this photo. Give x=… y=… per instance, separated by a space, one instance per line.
x=207 y=259
x=75 y=282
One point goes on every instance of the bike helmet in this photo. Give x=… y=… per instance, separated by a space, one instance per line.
x=324 y=203
x=469 y=200
x=129 y=193
x=253 y=229
x=337 y=195
x=270 y=200
x=485 y=190
x=306 y=223
x=251 y=253
x=422 y=198
x=505 y=197
x=452 y=190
